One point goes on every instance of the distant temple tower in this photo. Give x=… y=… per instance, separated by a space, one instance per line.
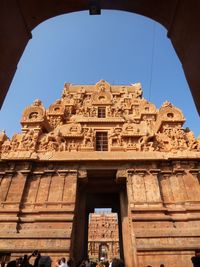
x=103 y=237
x=101 y=146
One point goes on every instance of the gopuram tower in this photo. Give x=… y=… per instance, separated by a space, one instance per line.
x=101 y=146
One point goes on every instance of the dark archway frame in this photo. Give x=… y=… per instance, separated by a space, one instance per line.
x=180 y=17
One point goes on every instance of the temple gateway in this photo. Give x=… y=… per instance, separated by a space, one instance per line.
x=103 y=236
x=101 y=146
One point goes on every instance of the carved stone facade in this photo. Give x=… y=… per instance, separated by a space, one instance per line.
x=103 y=236
x=107 y=146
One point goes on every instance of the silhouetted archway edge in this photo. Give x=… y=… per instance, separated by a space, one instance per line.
x=180 y=17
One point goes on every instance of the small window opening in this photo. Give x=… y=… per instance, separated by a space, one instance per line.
x=101 y=112
x=101 y=141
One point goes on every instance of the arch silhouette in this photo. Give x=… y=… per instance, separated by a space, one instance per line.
x=181 y=19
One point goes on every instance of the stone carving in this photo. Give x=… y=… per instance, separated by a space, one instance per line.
x=137 y=93
x=52 y=141
x=102 y=94
x=131 y=123
x=6 y=146
x=130 y=128
x=115 y=136
x=88 y=137
x=146 y=142
x=29 y=140
x=56 y=114
x=35 y=112
x=3 y=138
x=67 y=98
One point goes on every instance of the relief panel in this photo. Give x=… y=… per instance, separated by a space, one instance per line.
x=192 y=186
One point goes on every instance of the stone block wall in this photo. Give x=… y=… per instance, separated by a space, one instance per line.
x=37 y=209
x=164 y=212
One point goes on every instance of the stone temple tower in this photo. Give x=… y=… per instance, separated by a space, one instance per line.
x=101 y=146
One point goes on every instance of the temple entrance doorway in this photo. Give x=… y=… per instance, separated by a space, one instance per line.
x=100 y=191
x=103 y=252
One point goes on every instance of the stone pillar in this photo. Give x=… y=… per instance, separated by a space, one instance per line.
x=80 y=224
x=191 y=181
x=177 y=186
x=172 y=186
x=152 y=187
x=128 y=238
x=136 y=184
x=165 y=187
x=6 y=178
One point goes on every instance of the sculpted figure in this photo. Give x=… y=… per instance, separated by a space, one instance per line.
x=138 y=91
x=52 y=141
x=75 y=128
x=198 y=143
x=128 y=127
x=55 y=141
x=29 y=140
x=191 y=140
x=55 y=121
x=87 y=100
x=37 y=103
x=88 y=137
x=6 y=146
x=43 y=142
x=3 y=138
x=15 y=142
x=146 y=143
x=118 y=111
x=86 y=111
x=102 y=87
x=165 y=141
x=79 y=111
x=67 y=97
x=176 y=138
x=166 y=104
x=115 y=137
x=93 y=112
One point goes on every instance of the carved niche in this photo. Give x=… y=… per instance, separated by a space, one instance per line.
x=35 y=116
x=56 y=114
x=102 y=95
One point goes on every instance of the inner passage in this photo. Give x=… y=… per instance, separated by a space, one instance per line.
x=103 y=235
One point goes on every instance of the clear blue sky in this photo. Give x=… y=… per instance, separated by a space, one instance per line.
x=82 y=49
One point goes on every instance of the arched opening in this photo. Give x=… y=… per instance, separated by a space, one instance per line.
x=19 y=18
x=103 y=252
x=91 y=49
